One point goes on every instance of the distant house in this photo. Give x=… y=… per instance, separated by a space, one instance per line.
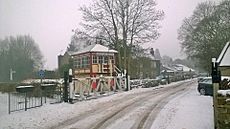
x=183 y=68
x=168 y=70
x=155 y=67
x=177 y=71
x=156 y=63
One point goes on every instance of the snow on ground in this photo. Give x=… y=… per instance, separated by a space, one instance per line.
x=191 y=110
x=3 y=104
x=187 y=111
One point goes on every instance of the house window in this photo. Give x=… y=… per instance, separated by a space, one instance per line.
x=100 y=59
x=112 y=59
x=95 y=59
x=106 y=59
x=77 y=62
x=85 y=62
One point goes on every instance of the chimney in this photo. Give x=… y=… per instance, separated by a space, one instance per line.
x=152 y=52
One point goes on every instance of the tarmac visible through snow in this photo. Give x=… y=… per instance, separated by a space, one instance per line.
x=174 y=106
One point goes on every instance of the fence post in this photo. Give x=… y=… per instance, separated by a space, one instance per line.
x=45 y=95
x=70 y=86
x=25 y=101
x=9 y=102
x=216 y=78
x=60 y=94
x=41 y=97
x=65 y=86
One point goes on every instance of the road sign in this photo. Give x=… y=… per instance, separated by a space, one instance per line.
x=41 y=73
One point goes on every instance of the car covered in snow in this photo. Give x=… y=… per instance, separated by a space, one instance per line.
x=205 y=86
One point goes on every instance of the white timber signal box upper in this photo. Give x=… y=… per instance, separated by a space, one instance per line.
x=93 y=61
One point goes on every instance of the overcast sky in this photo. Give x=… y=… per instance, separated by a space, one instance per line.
x=50 y=23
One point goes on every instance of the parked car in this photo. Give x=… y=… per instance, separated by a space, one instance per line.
x=200 y=79
x=161 y=80
x=205 y=86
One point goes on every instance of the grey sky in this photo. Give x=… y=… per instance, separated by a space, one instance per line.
x=50 y=23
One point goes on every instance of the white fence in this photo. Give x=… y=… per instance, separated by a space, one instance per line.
x=83 y=88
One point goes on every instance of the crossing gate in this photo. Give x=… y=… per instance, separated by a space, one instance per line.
x=84 y=88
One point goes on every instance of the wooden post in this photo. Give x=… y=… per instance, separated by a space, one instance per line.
x=9 y=102
x=25 y=101
x=215 y=103
x=216 y=78
x=115 y=84
x=110 y=67
x=81 y=90
x=65 y=86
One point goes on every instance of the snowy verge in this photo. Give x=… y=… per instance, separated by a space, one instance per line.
x=186 y=111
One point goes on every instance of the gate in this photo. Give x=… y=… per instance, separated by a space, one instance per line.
x=26 y=100
x=87 y=88
x=52 y=96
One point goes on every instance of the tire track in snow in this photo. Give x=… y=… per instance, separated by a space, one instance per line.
x=106 y=105
x=152 y=112
x=106 y=121
x=131 y=102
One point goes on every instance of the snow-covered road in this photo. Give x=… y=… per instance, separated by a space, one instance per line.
x=187 y=111
x=174 y=106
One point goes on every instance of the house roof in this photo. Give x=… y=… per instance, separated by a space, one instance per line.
x=152 y=57
x=177 y=67
x=184 y=68
x=224 y=58
x=95 y=48
x=169 y=69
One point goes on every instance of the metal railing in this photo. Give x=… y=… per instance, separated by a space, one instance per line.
x=22 y=101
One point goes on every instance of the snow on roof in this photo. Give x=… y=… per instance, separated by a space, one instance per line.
x=224 y=92
x=224 y=58
x=47 y=85
x=177 y=67
x=151 y=57
x=184 y=68
x=95 y=48
x=25 y=86
x=29 y=81
x=168 y=69
x=69 y=52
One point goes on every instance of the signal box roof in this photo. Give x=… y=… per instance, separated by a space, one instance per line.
x=95 y=48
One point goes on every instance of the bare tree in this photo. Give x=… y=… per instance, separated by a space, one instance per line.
x=204 y=34
x=122 y=23
x=21 y=54
x=78 y=42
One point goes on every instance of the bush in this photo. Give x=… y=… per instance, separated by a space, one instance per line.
x=8 y=87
